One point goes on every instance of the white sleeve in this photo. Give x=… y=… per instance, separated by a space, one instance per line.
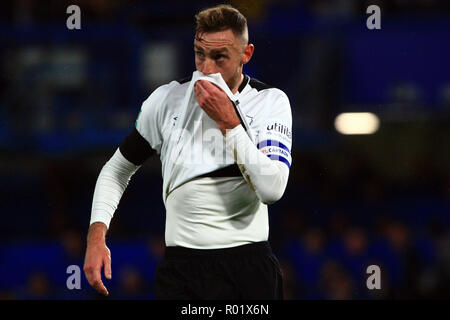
x=275 y=131
x=111 y=184
x=266 y=166
x=266 y=177
x=149 y=120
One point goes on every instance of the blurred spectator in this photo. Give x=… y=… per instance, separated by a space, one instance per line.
x=335 y=282
x=351 y=251
x=399 y=237
x=306 y=256
x=37 y=287
x=74 y=246
x=291 y=288
x=132 y=285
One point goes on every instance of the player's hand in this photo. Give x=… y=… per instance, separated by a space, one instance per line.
x=215 y=102
x=97 y=257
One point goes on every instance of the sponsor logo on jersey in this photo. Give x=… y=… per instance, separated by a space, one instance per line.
x=280 y=128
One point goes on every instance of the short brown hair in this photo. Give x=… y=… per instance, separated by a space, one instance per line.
x=220 y=18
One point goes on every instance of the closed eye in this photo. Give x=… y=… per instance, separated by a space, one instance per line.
x=220 y=56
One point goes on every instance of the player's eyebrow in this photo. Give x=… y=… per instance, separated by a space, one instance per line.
x=219 y=50
x=213 y=51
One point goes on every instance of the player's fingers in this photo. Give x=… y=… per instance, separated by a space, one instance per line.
x=203 y=85
x=201 y=95
x=90 y=271
x=93 y=275
x=199 y=99
x=96 y=281
x=205 y=94
x=100 y=287
x=196 y=89
x=209 y=86
x=108 y=271
x=91 y=278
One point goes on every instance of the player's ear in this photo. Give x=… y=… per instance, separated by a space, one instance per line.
x=248 y=53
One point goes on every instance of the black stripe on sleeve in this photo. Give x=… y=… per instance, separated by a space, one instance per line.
x=135 y=148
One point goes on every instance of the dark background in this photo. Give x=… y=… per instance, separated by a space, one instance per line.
x=69 y=97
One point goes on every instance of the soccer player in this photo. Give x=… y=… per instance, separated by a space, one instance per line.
x=217 y=227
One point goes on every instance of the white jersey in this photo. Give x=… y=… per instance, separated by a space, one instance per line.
x=204 y=210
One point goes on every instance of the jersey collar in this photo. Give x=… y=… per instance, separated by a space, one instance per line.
x=244 y=83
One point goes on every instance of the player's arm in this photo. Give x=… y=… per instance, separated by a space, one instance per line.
x=111 y=184
x=97 y=257
x=116 y=174
x=267 y=176
x=265 y=168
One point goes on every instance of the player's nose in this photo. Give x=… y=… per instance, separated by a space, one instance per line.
x=208 y=67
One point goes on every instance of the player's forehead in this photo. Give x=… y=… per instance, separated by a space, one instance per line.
x=220 y=40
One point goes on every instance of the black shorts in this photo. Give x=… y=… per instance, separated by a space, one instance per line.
x=245 y=272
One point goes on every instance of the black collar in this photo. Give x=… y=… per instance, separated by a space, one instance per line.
x=244 y=83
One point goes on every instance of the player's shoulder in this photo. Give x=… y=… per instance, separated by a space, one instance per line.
x=174 y=90
x=164 y=94
x=258 y=85
x=268 y=100
x=167 y=89
x=184 y=80
x=262 y=88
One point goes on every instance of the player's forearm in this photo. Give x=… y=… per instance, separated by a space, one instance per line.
x=267 y=177
x=111 y=184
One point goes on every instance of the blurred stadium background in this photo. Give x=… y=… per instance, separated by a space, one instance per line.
x=69 y=97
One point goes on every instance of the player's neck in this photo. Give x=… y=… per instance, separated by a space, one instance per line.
x=238 y=83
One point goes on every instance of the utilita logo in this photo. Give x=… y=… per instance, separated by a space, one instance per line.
x=281 y=129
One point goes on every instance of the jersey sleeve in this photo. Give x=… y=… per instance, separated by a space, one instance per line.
x=135 y=148
x=275 y=133
x=148 y=123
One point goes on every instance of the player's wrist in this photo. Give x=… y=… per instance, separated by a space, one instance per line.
x=227 y=126
x=232 y=132
x=97 y=233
